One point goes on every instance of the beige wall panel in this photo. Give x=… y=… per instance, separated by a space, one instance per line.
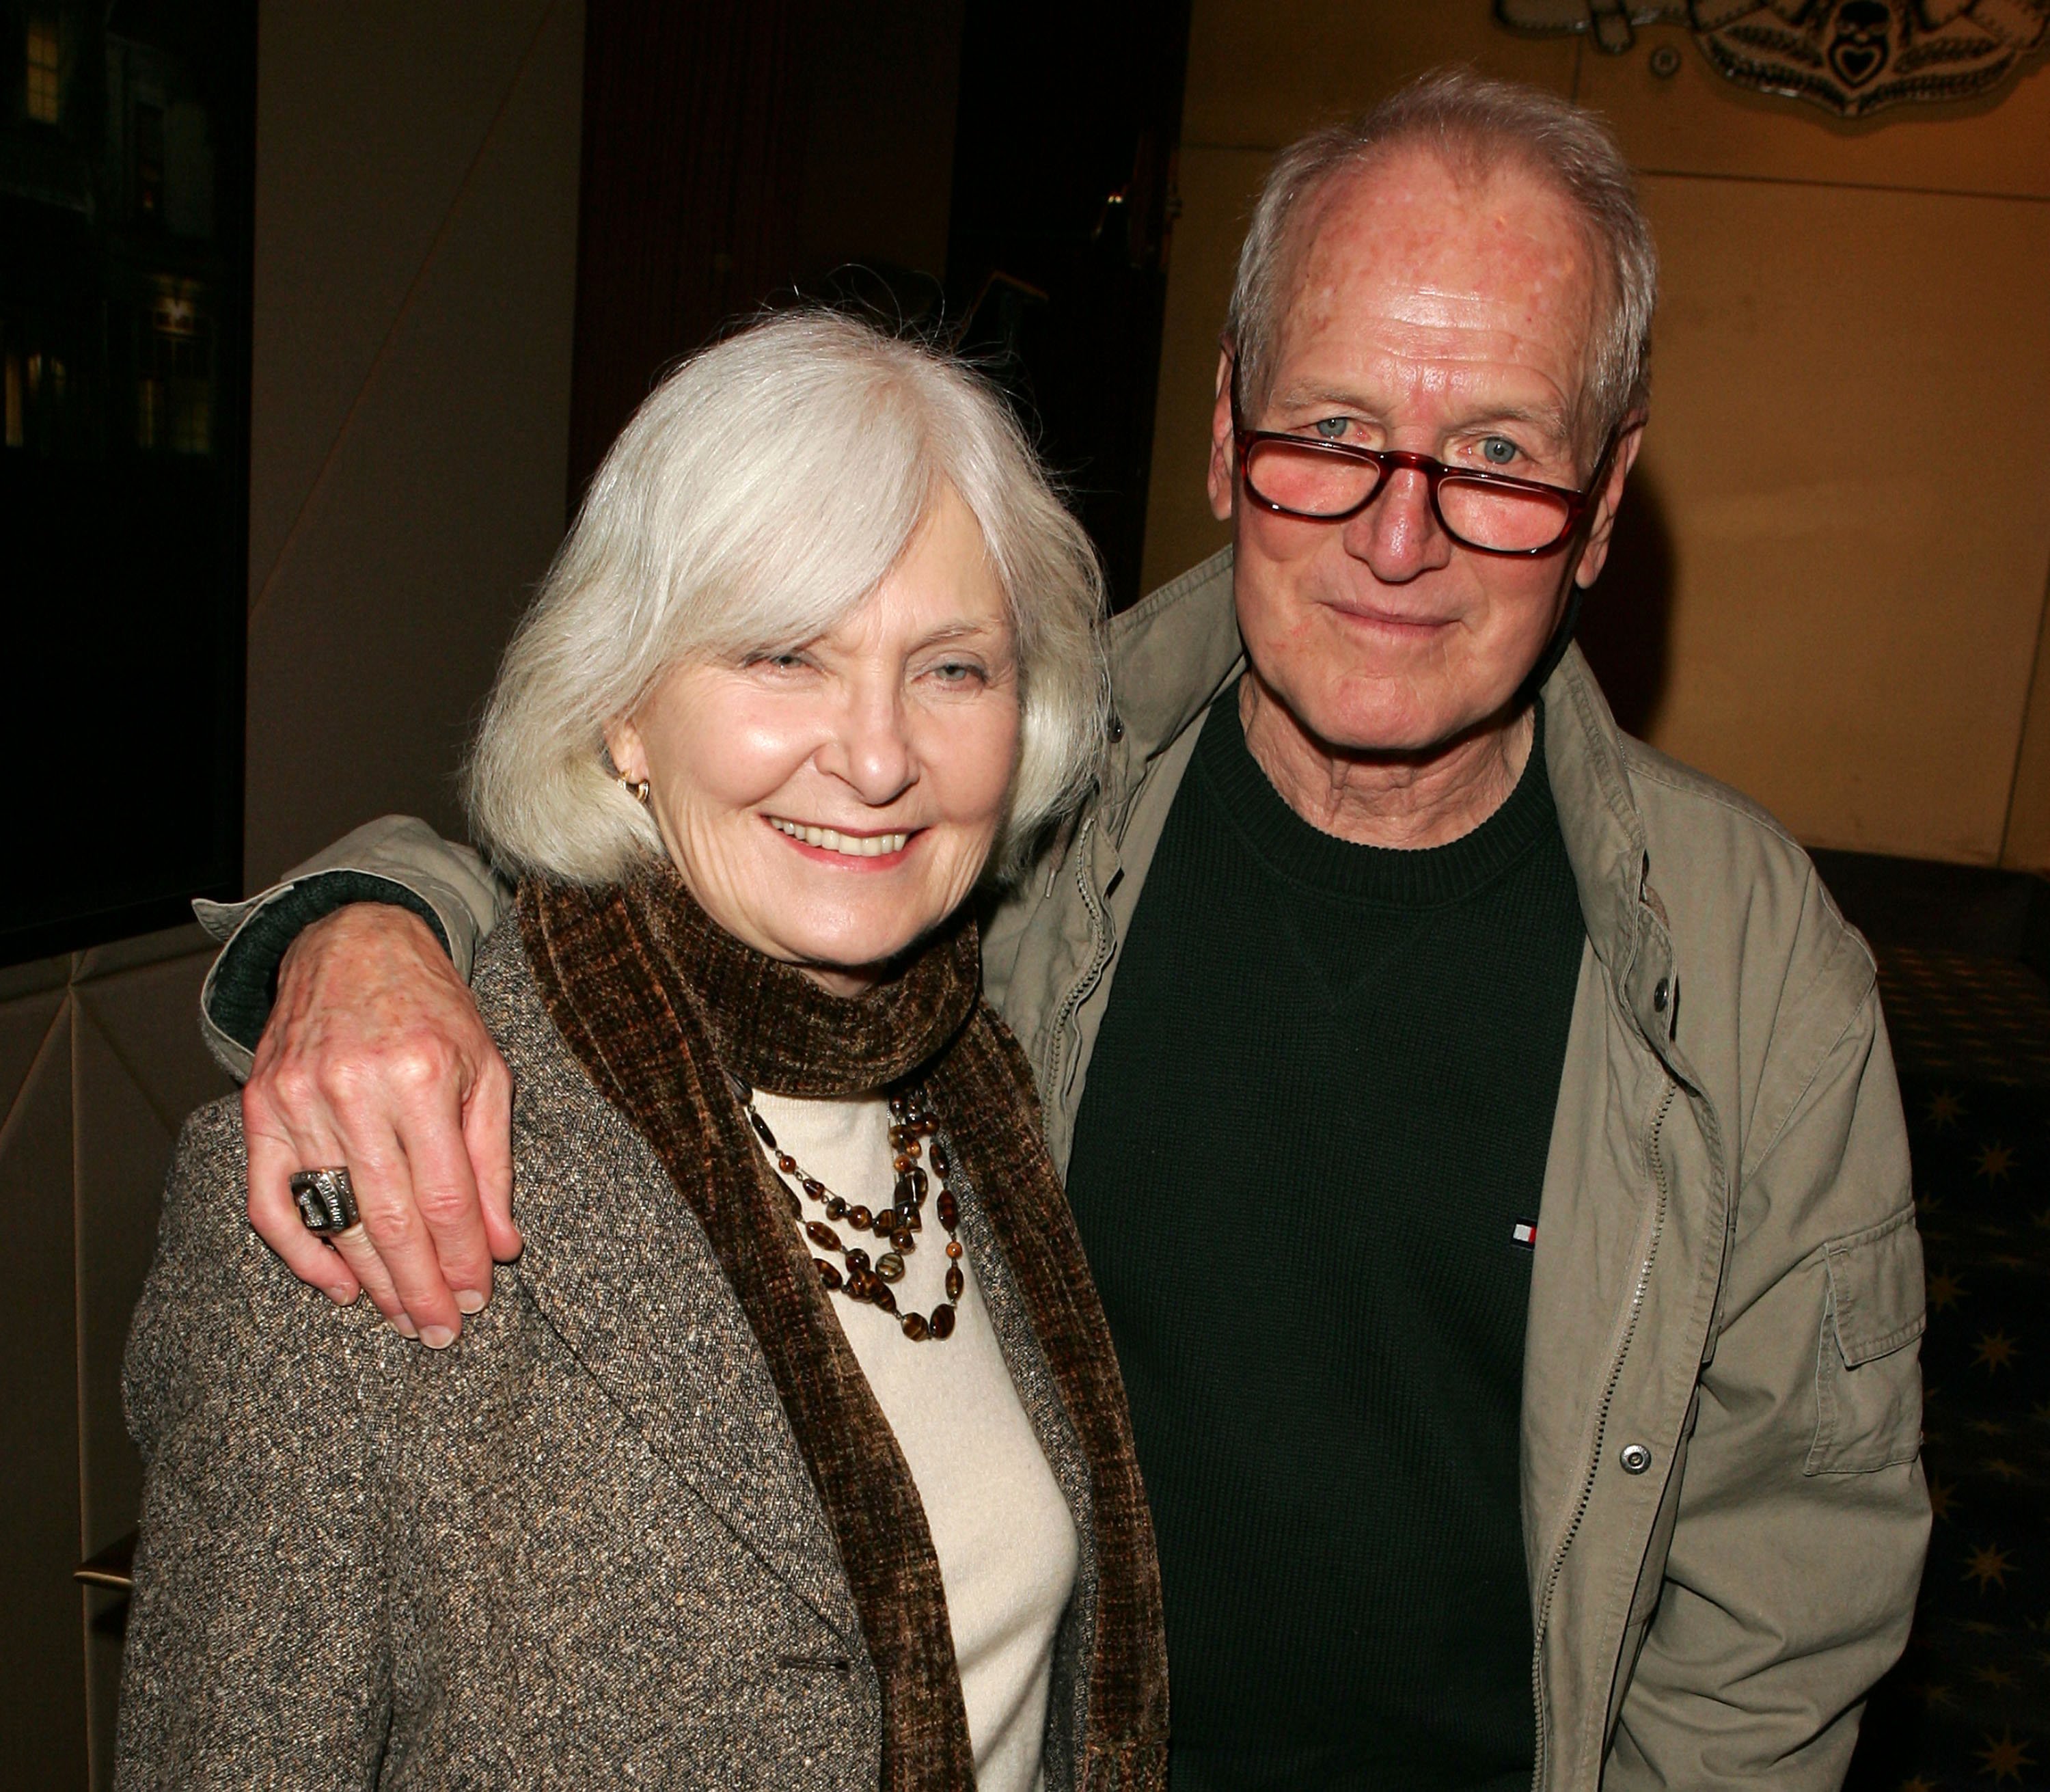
x=1217 y=188
x=368 y=116
x=42 y=1677
x=1261 y=75
x=29 y=1000
x=441 y=507
x=138 y=1070
x=1851 y=634
x=2025 y=843
x=1695 y=122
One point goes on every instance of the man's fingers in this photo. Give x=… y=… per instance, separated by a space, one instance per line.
x=385 y=1202
x=276 y=1215
x=487 y=1134
x=446 y=1195
x=353 y=1247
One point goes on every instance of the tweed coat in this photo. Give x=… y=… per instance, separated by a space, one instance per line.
x=580 y=1546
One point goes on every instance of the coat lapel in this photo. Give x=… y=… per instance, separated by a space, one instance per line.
x=624 y=1274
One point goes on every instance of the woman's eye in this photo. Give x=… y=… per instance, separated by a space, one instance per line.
x=1498 y=450
x=957 y=671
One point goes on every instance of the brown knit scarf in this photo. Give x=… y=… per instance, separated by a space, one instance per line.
x=657 y=1003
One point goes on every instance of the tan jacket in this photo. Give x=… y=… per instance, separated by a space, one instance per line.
x=1723 y=1511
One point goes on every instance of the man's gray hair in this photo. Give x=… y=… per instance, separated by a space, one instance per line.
x=1475 y=125
x=760 y=494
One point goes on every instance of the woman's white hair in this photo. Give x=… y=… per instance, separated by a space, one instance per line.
x=757 y=496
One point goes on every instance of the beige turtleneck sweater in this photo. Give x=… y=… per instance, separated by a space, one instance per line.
x=1003 y=1533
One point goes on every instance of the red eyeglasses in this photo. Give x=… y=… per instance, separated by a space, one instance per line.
x=1330 y=481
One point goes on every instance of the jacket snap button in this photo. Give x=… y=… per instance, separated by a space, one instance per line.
x=1117 y=727
x=1636 y=1459
x=1658 y=996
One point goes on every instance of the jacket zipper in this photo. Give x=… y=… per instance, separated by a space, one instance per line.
x=1601 y=1433
x=1058 y=1053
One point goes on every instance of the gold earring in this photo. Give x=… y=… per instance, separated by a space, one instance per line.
x=638 y=787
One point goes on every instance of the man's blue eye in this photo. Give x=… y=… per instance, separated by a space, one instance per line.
x=1331 y=428
x=1498 y=450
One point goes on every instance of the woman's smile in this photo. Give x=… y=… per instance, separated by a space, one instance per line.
x=845 y=848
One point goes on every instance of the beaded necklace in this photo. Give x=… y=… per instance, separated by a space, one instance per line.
x=911 y=1122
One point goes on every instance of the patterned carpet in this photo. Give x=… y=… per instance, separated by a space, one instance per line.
x=1970 y=1705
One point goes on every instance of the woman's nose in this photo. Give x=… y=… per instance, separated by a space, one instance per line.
x=1398 y=534
x=871 y=751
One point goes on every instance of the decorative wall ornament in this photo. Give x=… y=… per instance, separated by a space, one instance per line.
x=1852 y=55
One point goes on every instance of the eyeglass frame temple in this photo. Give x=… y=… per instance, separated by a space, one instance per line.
x=1581 y=504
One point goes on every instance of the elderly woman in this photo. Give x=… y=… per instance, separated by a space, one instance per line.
x=792 y=1451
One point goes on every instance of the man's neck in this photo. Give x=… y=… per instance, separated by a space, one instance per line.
x=1408 y=800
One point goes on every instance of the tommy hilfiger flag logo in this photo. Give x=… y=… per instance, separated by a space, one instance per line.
x=1524 y=1233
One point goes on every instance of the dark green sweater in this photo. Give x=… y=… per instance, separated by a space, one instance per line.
x=1318 y=1112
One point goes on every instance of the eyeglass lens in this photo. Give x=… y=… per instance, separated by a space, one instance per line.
x=1311 y=483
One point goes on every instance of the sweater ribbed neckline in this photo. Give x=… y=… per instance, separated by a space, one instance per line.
x=1382 y=876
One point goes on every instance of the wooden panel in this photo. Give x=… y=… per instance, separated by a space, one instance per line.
x=1855 y=473
x=442 y=506
x=350 y=191
x=2026 y=843
x=1695 y=122
x=1218 y=189
x=42 y=1666
x=1260 y=76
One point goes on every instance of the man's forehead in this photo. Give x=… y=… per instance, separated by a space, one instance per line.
x=1407 y=247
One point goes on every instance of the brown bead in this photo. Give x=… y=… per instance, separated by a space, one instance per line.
x=953 y=1247
x=883 y=1297
x=942 y=1321
x=858 y=1282
x=762 y=1128
x=902 y=1240
x=815 y=1188
x=885 y=1222
x=908 y=1218
x=857 y=1261
x=950 y=1209
x=835 y=1208
x=890 y=1266
x=941 y=1162
x=919 y=1184
x=915 y=1327
x=828 y=1273
x=860 y=1218
x=900 y=1136
x=904 y=1193
x=900 y=1163
x=786 y=1163
x=955 y=1281
x=819 y=1232
x=913 y=1148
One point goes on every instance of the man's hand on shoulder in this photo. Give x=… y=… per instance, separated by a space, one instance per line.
x=375 y=1058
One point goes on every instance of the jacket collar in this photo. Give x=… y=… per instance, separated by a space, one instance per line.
x=1172 y=654
x=628 y=1280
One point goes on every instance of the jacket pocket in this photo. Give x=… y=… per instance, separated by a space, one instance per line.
x=1867 y=1372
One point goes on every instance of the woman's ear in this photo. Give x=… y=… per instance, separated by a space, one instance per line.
x=629 y=751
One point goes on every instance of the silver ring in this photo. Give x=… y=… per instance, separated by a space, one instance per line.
x=327 y=1200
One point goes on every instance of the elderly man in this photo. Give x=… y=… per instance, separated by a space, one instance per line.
x=1482 y=1128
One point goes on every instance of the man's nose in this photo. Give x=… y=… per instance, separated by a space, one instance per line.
x=871 y=748
x=1398 y=534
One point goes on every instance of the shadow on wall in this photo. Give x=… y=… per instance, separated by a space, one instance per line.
x=1628 y=615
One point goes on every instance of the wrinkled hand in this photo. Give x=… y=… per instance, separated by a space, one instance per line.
x=375 y=1057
